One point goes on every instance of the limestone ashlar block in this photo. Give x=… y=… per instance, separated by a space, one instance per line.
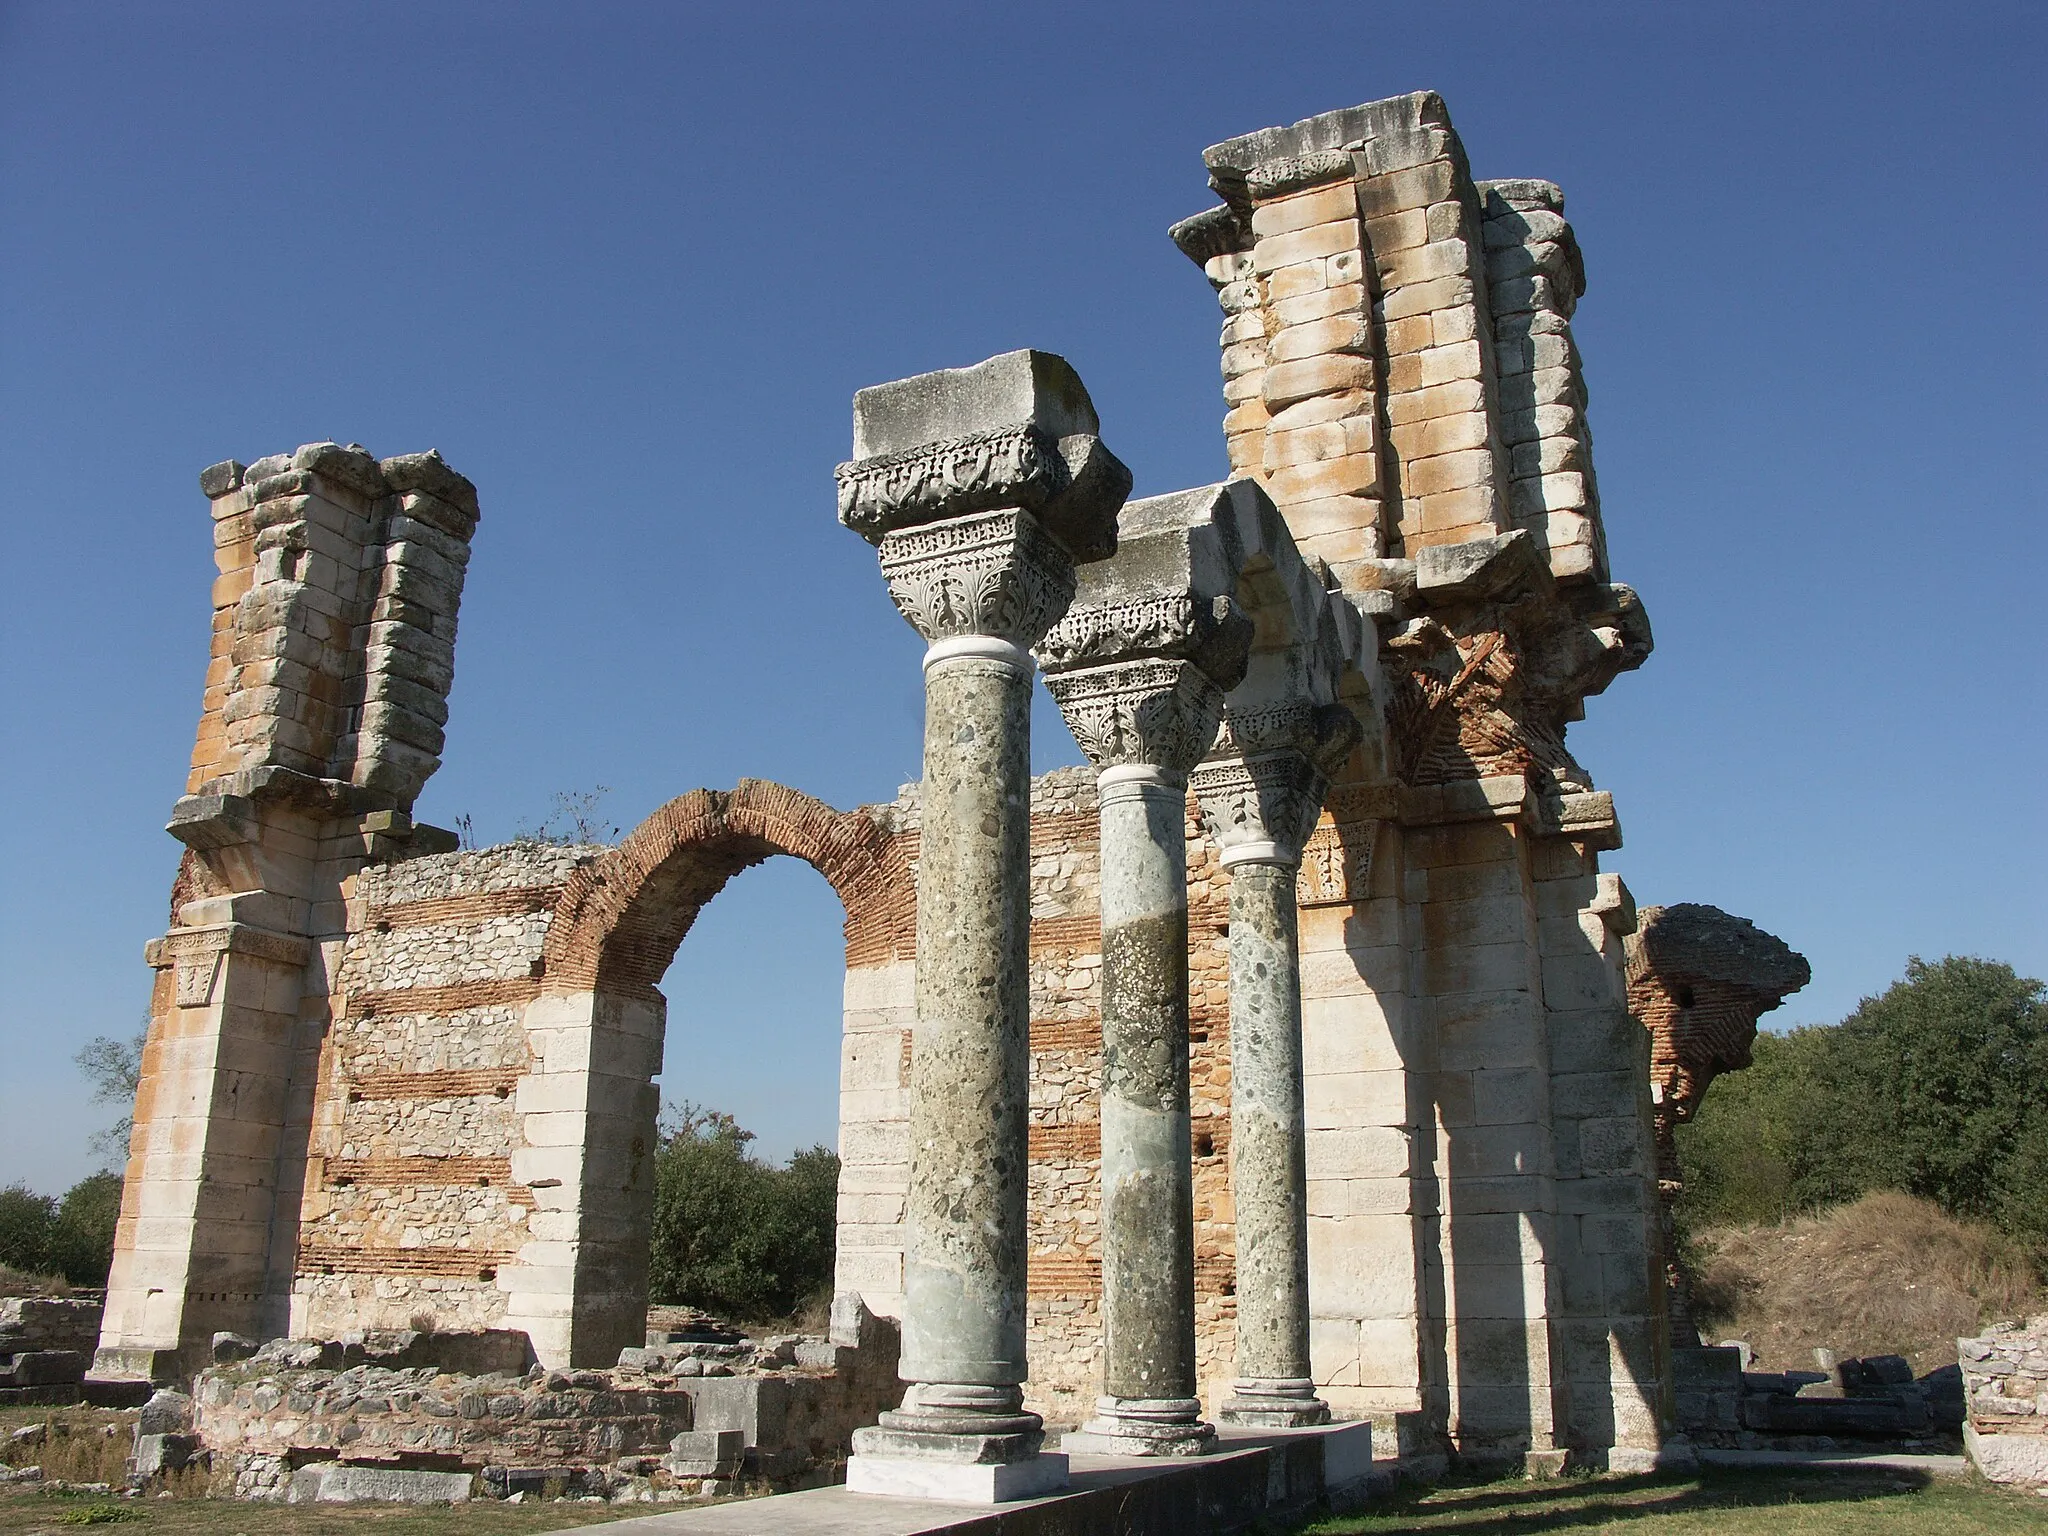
x=1360 y=1152
x=1328 y=204
x=1331 y=299
x=1425 y=298
x=1287 y=383
x=1362 y=1266
x=1488 y=1029
x=1333 y=1100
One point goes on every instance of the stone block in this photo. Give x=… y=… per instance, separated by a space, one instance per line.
x=1488 y=1029
x=1307 y=244
x=1319 y=205
x=1293 y=282
x=1418 y=186
x=706 y=1453
x=1338 y=1099
x=1359 y=1152
x=1448 y=472
x=335 y=1482
x=1286 y=383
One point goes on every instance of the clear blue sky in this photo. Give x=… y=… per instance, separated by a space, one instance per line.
x=625 y=266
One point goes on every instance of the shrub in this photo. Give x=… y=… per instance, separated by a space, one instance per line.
x=27 y=1221
x=732 y=1234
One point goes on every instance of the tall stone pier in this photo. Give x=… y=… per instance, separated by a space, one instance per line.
x=983 y=488
x=1139 y=666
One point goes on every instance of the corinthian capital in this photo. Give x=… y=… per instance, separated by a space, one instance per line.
x=1140 y=663
x=1263 y=786
x=1160 y=713
x=996 y=574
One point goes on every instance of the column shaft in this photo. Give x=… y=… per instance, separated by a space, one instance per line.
x=1151 y=1403
x=964 y=1285
x=1268 y=1163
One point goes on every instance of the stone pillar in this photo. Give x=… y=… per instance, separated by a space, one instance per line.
x=1139 y=667
x=983 y=487
x=1260 y=795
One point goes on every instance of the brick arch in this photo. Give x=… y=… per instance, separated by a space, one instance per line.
x=621 y=918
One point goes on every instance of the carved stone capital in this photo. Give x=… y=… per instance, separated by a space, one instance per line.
x=1260 y=808
x=1213 y=632
x=1322 y=733
x=1160 y=713
x=995 y=573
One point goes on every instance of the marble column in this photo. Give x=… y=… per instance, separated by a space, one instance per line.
x=1144 y=724
x=1260 y=795
x=983 y=487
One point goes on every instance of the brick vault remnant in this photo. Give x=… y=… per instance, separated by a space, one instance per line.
x=1698 y=980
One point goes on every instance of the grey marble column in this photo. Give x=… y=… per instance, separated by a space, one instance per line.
x=1260 y=806
x=1138 y=668
x=982 y=488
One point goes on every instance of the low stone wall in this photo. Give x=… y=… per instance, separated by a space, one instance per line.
x=46 y=1343
x=2005 y=1377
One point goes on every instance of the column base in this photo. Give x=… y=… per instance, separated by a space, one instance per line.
x=1286 y=1404
x=959 y=1482
x=1137 y=1426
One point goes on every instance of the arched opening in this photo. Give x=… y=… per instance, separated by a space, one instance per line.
x=597 y=1032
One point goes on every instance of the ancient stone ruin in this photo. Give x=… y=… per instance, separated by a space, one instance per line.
x=1276 y=1067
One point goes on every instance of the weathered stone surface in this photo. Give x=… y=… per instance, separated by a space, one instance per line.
x=336 y=1482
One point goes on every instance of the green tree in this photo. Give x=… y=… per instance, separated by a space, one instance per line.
x=82 y=1241
x=1930 y=1088
x=732 y=1234
x=27 y=1222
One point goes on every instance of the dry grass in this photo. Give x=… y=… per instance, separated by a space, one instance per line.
x=1885 y=1275
x=79 y=1445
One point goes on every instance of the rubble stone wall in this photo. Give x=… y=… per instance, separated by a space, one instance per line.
x=2005 y=1384
x=410 y=1205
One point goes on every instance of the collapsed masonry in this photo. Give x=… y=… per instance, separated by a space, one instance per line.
x=1299 y=1016
x=1698 y=981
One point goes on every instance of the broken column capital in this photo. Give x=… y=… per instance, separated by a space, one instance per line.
x=1140 y=663
x=983 y=488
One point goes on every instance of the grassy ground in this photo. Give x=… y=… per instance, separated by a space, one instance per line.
x=1718 y=1503
x=66 y=1515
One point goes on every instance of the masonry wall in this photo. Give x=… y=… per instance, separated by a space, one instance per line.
x=411 y=1206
